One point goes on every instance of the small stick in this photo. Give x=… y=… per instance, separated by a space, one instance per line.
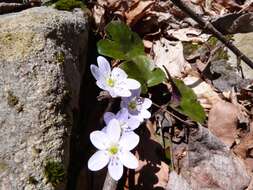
x=208 y=26
x=109 y=184
x=190 y=124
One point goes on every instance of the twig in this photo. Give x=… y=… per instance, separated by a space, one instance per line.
x=109 y=184
x=208 y=26
x=173 y=115
x=208 y=63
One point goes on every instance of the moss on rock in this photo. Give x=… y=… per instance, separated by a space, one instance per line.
x=54 y=172
x=69 y=5
x=12 y=100
x=60 y=57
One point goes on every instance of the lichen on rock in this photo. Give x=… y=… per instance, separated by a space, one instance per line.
x=42 y=61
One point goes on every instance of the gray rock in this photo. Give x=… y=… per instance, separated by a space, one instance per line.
x=177 y=182
x=207 y=164
x=244 y=43
x=42 y=61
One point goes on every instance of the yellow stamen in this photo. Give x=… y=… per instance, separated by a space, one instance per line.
x=132 y=105
x=110 y=82
x=113 y=149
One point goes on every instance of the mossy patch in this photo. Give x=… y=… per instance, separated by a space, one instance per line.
x=69 y=5
x=3 y=166
x=191 y=48
x=12 y=100
x=222 y=53
x=18 y=45
x=54 y=172
x=60 y=57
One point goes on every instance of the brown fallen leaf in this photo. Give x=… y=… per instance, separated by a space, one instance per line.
x=245 y=146
x=170 y=54
x=188 y=34
x=205 y=93
x=250 y=187
x=222 y=121
x=231 y=5
x=245 y=149
x=137 y=11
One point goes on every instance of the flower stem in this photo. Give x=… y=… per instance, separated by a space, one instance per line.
x=109 y=184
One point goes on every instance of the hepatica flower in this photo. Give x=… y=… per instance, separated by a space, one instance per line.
x=113 y=149
x=137 y=106
x=114 y=81
x=127 y=124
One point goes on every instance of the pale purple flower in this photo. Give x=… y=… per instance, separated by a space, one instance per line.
x=113 y=149
x=137 y=106
x=127 y=124
x=114 y=81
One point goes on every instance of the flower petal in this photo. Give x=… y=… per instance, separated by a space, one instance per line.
x=115 y=168
x=133 y=123
x=104 y=129
x=104 y=66
x=118 y=74
x=132 y=84
x=112 y=92
x=98 y=160
x=95 y=72
x=99 y=140
x=138 y=117
x=145 y=114
x=101 y=84
x=146 y=103
x=108 y=116
x=136 y=93
x=113 y=130
x=128 y=159
x=122 y=92
x=122 y=115
x=129 y=141
x=124 y=102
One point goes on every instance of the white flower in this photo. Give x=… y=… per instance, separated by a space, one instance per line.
x=114 y=81
x=114 y=150
x=137 y=106
x=127 y=124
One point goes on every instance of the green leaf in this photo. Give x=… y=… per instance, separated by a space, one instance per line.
x=122 y=43
x=140 y=69
x=189 y=104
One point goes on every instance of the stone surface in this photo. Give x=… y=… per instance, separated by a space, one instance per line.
x=42 y=61
x=205 y=163
x=244 y=43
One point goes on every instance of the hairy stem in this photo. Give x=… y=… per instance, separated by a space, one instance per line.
x=109 y=184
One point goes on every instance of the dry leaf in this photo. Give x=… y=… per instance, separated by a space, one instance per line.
x=170 y=54
x=188 y=34
x=222 y=121
x=98 y=13
x=137 y=11
x=205 y=94
x=231 y=5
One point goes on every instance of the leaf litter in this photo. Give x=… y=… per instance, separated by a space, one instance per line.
x=198 y=62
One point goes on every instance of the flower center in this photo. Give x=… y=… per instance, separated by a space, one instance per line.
x=113 y=149
x=110 y=82
x=132 y=105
